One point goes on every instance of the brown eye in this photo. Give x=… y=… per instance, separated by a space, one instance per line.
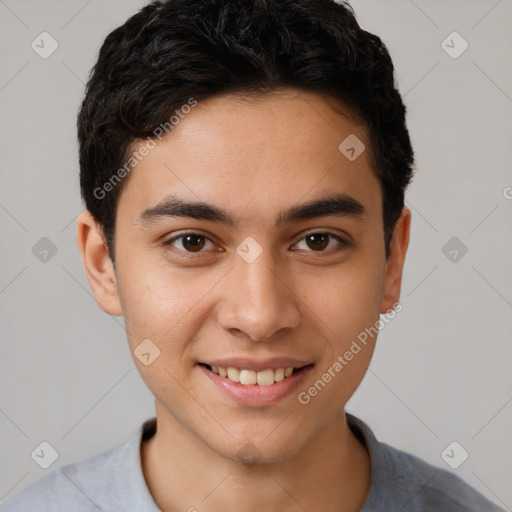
x=189 y=243
x=317 y=241
x=193 y=243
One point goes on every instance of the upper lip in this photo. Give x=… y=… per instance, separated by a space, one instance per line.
x=257 y=365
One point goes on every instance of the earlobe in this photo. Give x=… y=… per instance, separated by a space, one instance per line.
x=395 y=263
x=97 y=263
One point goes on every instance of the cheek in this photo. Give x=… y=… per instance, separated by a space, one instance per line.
x=157 y=307
x=159 y=301
x=347 y=299
x=347 y=315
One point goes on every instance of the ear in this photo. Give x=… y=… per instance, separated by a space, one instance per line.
x=98 y=265
x=395 y=263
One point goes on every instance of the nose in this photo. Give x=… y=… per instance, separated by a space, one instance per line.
x=257 y=300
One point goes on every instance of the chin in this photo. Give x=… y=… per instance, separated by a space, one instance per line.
x=252 y=449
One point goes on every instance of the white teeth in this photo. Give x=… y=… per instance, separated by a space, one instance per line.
x=265 y=378
x=234 y=374
x=279 y=374
x=250 y=377
x=247 y=377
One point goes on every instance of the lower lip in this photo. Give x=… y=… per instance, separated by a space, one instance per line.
x=255 y=395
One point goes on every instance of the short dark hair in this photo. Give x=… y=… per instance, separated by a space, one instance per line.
x=175 y=50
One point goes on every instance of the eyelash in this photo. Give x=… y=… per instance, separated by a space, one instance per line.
x=342 y=242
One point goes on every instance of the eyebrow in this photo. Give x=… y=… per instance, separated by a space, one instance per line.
x=341 y=205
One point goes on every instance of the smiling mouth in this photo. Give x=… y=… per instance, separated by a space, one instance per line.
x=251 y=377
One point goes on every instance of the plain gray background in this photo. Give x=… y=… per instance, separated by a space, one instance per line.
x=441 y=371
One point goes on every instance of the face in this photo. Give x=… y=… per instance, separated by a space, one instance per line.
x=282 y=265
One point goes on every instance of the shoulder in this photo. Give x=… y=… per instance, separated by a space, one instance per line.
x=65 y=488
x=110 y=481
x=428 y=487
x=404 y=481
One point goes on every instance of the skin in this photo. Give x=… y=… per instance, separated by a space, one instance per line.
x=254 y=158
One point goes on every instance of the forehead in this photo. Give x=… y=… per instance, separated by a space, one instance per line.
x=265 y=151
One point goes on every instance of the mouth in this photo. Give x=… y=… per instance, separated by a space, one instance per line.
x=255 y=384
x=248 y=377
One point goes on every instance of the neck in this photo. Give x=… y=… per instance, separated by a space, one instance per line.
x=331 y=473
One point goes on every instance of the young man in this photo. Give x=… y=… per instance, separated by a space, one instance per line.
x=243 y=165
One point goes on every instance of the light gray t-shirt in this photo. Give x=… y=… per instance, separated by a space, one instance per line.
x=113 y=482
